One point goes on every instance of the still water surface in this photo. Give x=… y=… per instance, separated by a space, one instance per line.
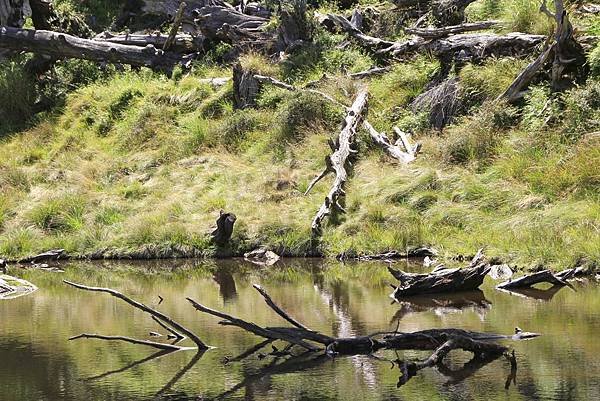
x=37 y=362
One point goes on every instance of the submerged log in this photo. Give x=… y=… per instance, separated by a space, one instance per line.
x=153 y=344
x=61 y=45
x=339 y=162
x=222 y=234
x=158 y=315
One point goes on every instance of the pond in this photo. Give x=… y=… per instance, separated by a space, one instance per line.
x=37 y=362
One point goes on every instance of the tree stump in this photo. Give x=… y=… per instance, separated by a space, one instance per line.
x=245 y=87
x=222 y=234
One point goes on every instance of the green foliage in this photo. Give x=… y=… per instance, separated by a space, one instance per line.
x=17 y=97
x=304 y=111
x=64 y=213
x=594 y=61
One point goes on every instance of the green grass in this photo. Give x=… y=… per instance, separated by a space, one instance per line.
x=134 y=164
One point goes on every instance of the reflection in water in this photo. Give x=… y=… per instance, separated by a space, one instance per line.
x=442 y=304
x=535 y=293
x=224 y=278
x=37 y=362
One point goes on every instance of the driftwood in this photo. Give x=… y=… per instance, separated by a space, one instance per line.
x=339 y=162
x=222 y=234
x=158 y=315
x=51 y=255
x=544 y=276
x=61 y=45
x=13 y=287
x=441 y=280
x=419 y=252
x=182 y=43
x=435 y=33
x=440 y=341
x=446 y=280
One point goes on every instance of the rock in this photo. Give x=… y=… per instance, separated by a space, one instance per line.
x=500 y=272
x=262 y=257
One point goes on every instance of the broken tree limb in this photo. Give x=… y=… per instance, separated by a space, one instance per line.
x=176 y=23
x=277 y=309
x=60 y=45
x=340 y=161
x=544 y=276
x=161 y=346
x=394 y=151
x=435 y=33
x=515 y=91
x=252 y=327
x=164 y=318
x=175 y=334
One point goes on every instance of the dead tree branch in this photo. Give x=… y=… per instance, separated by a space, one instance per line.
x=161 y=346
x=436 y=33
x=164 y=318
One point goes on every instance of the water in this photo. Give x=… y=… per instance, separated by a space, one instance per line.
x=37 y=362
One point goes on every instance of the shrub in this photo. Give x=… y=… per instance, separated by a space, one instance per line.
x=305 y=110
x=59 y=214
x=17 y=97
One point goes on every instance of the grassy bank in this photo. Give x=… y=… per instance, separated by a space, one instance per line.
x=137 y=164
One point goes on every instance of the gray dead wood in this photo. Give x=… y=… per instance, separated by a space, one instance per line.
x=339 y=162
x=60 y=45
x=161 y=346
x=164 y=318
x=436 y=33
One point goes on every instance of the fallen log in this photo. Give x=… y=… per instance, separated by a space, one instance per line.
x=441 y=102
x=13 y=287
x=158 y=315
x=447 y=280
x=182 y=43
x=339 y=162
x=51 y=255
x=418 y=252
x=544 y=276
x=216 y=22
x=60 y=45
x=12 y=13
x=436 y=33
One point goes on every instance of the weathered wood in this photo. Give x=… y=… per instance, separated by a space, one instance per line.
x=252 y=327
x=61 y=45
x=396 y=152
x=447 y=280
x=340 y=161
x=51 y=255
x=182 y=43
x=515 y=91
x=159 y=315
x=216 y=22
x=418 y=252
x=3 y=266
x=174 y=333
x=436 y=33
x=449 y=12
x=222 y=234
x=544 y=276
x=162 y=346
x=176 y=24
x=12 y=13
x=246 y=87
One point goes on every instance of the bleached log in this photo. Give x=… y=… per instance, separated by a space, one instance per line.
x=340 y=161
x=435 y=33
x=404 y=156
x=61 y=45
x=183 y=42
